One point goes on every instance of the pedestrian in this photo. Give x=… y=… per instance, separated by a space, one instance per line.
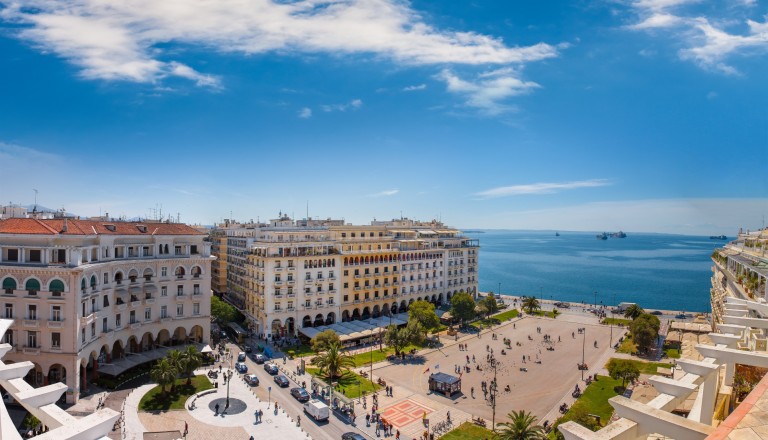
x=216 y=408
x=397 y=435
x=367 y=419
x=448 y=416
x=186 y=429
x=298 y=420
x=472 y=392
x=261 y=415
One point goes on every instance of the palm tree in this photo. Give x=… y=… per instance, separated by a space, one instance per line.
x=530 y=303
x=633 y=311
x=521 y=427
x=333 y=362
x=191 y=361
x=164 y=373
x=175 y=359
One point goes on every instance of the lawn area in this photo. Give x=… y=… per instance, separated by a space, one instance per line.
x=672 y=353
x=543 y=313
x=648 y=367
x=299 y=350
x=154 y=400
x=496 y=319
x=348 y=383
x=616 y=321
x=468 y=431
x=595 y=398
x=363 y=359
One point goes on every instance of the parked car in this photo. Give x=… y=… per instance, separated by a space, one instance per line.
x=270 y=368
x=300 y=394
x=282 y=380
x=248 y=349
x=251 y=380
x=681 y=316
x=241 y=367
x=259 y=358
x=241 y=357
x=656 y=312
x=352 y=436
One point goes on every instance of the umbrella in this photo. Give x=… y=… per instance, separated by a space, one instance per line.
x=206 y=349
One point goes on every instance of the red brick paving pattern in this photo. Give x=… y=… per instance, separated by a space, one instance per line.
x=405 y=412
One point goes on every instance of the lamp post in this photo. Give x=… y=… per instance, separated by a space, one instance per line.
x=583 y=348
x=269 y=396
x=359 y=391
x=228 y=375
x=595 y=298
x=494 y=390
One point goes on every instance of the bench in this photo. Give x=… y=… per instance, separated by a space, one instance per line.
x=206 y=392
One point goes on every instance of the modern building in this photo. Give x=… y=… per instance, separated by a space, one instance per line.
x=740 y=334
x=292 y=275
x=100 y=296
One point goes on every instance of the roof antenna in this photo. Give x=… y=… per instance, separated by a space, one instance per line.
x=35 y=208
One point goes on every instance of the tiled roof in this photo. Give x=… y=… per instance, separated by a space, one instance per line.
x=92 y=227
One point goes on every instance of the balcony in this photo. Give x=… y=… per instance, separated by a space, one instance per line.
x=331 y=278
x=135 y=303
x=165 y=319
x=121 y=306
x=320 y=305
x=357 y=301
x=357 y=277
x=291 y=295
x=56 y=324
x=357 y=288
x=135 y=325
x=368 y=287
x=290 y=309
x=278 y=283
x=30 y=323
x=278 y=269
x=149 y=300
x=290 y=282
x=368 y=275
x=31 y=350
x=291 y=268
x=332 y=291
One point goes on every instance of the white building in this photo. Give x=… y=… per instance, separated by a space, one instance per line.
x=98 y=296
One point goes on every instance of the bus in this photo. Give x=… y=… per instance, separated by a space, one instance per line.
x=236 y=332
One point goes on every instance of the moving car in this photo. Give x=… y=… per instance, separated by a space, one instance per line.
x=241 y=357
x=352 y=436
x=259 y=358
x=270 y=368
x=320 y=412
x=251 y=380
x=282 y=380
x=241 y=367
x=656 y=312
x=300 y=394
x=681 y=316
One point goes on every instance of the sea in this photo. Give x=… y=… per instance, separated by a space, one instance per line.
x=656 y=271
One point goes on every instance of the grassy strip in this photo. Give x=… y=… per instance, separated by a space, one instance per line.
x=627 y=346
x=672 y=353
x=154 y=399
x=546 y=314
x=648 y=367
x=595 y=397
x=469 y=431
x=616 y=321
x=350 y=384
x=496 y=319
x=364 y=358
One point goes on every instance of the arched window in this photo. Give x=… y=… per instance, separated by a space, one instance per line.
x=180 y=272
x=56 y=287
x=9 y=285
x=93 y=282
x=32 y=286
x=82 y=285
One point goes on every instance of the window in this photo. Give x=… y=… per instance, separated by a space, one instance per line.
x=193 y=249
x=148 y=314
x=8 y=337
x=8 y=311
x=179 y=290
x=82 y=334
x=104 y=325
x=177 y=250
x=106 y=278
x=196 y=309
x=306 y=303
x=93 y=305
x=56 y=313
x=330 y=274
x=105 y=302
x=55 y=340
x=164 y=271
x=164 y=291
x=93 y=329
x=32 y=287
x=118 y=321
x=319 y=275
x=330 y=300
x=13 y=255
x=32 y=339
x=132 y=317
x=163 y=312
x=9 y=285
x=179 y=309
x=196 y=289
x=346 y=298
x=290 y=305
x=32 y=311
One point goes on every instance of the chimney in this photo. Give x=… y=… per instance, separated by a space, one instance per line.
x=65 y=227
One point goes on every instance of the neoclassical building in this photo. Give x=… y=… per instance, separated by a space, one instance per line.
x=293 y=275
x=100 y=296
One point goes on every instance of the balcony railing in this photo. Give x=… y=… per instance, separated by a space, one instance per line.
x=31 y=350
x=30 y=323
x=56 y=324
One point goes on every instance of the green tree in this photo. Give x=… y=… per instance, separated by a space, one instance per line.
x=530 y=304
x=222 y=311
x=175 y=359
x=633 y=311
x=522 y=426
x=164 y=373
x=399 y=338
x=491 y=305
x=333 y=362
x=579 y=414
x=623 y=369
x=191 y=359
x=324 y=339
x=423 y=312
x=645 y=331
x=463 y=306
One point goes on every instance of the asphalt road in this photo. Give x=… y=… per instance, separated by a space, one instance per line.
x=331 y=430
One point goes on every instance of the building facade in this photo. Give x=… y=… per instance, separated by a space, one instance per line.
x=85 y=294
x=296 y=274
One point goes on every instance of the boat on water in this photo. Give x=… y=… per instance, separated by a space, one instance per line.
x=718 y=237
x=557 y=234
x=619 y=234
x=603 y=236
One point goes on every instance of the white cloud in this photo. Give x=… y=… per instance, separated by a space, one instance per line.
x=704 y=43
x=414 y=88
x=354 y=104
x=540 y=188
x=305 y=113
x=123 y=40
x=489 y=90
x=386 y=193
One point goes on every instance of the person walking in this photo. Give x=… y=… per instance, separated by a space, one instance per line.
x=397 y=435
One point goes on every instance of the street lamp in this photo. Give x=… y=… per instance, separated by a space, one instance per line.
x=583 y=347
x=595 y=298
x=269 y=396
x=228 y=376
x=359 y=391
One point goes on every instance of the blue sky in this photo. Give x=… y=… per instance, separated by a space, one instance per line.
x=641 y=115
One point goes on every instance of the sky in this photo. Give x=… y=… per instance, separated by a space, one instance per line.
x=634 y=115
